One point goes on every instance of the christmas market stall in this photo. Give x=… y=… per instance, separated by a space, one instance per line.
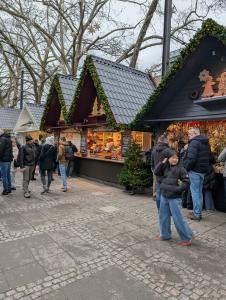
x=29 y=122
x=193 y=94
x=55 y=115
x=107 y=99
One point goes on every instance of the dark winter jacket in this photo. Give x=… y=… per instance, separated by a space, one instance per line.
x=37 y=151
x=27 y=155
x=198 y=157
x=6 y=148
x=174 y=179
x=209 y=179
x=158 y=153
x=47 y=157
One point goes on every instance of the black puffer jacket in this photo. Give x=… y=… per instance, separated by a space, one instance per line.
x=47 y=157
x=174 y=179
x=158 y=153
x=6 y=148
x=27 y=155
x=198 y=157
x=209 y=179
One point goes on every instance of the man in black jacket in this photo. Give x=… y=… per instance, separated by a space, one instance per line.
x=27 y=158
x=197 y=163
x=6 y=157
x=158 y=153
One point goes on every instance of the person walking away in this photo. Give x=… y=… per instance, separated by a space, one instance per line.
x=197 y=163
x=27 y=158
x=38 y=150
x=70 y=151
x=6 y=157
x=174 y=181
x=46 y=163
x=222 y=158
x=159 y=152
x=62 y=162
x=14 y=164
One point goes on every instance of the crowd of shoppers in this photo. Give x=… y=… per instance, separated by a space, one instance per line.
x=48 y=156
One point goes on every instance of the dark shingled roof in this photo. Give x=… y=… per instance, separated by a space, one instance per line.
x=8 y=117
x=36 y=111
x=68 y=85
x=127 y=89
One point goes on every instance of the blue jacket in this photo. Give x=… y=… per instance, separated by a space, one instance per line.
x=198 y=157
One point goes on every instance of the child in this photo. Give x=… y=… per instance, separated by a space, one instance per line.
x=175 y=181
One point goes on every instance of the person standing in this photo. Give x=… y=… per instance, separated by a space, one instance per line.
x=63 y=163
x=159 y=152
x=197 y=163
x=174 y=181
x=37 y=149
x=222 y=158
x=46 y=163
x=71 y=149
x=27 y=158
x=14 y=164
x=6 y=157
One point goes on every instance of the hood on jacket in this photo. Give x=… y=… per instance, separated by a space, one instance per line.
x=161 y=146
x=201 y=138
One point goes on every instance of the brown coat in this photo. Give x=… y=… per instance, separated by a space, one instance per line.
x=61 y=154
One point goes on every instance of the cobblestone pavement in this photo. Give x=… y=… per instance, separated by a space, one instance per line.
x=97 y=243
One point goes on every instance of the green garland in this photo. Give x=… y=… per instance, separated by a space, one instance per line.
x=55 y=85
x=209 y=28
x=89 y=68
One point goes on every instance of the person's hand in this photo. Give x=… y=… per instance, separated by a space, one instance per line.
x=22 y=169
x=164 y=160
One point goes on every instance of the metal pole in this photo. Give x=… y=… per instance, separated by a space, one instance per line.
x=21 y=89
x=166 y=36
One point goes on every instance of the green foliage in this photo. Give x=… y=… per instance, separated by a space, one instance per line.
x=209 y=28
x=134 y=175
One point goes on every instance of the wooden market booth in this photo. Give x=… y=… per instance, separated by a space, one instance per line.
x=193 y=94
x=29 y=122
x=107 y=99
x=55 y=115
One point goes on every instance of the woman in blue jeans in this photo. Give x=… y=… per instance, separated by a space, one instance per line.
x=175 y=181
x=222 y=158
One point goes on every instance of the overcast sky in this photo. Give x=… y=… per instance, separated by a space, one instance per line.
x=153 y=55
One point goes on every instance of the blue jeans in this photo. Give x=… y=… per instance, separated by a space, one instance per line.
x=168 y=207
x=6 y=178
x=158 y=194
x=63 y=175
x=196 y=186
x=70 y=168
x=209 y=203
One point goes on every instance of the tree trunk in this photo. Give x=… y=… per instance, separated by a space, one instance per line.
x=143 y=32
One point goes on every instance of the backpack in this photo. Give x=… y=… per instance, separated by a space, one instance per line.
x=69 y=154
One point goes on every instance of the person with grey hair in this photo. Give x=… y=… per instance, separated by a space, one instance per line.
x=158 y=153
x=46 y=163
x=197 y=162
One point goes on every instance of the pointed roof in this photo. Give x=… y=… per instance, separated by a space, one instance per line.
x=36 y=112
x=63 y=86
x=122 y=90
x=8 y=117
x=209 y=29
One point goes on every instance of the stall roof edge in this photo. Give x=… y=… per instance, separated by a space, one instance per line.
x=9 y=119
x=108 y=75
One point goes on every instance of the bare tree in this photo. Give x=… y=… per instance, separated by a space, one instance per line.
x=48 y=36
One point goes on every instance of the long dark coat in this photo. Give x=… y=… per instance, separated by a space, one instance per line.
x=47 y=157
